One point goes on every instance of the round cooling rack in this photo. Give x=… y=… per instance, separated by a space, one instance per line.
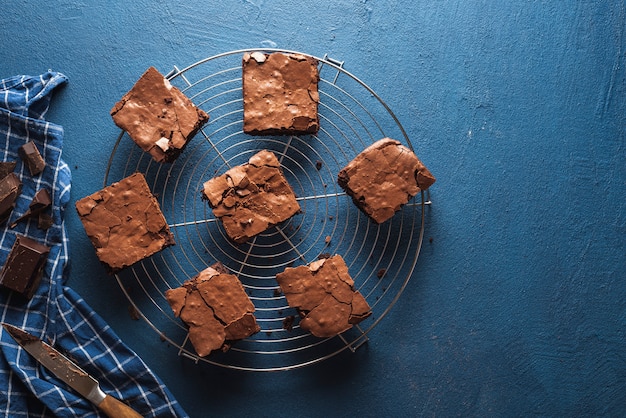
x=380 y=258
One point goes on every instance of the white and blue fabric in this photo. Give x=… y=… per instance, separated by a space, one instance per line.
x=56 y=313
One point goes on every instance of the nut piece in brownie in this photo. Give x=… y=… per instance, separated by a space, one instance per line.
x=158 y=116
x=323 y=294
x=124 y=222
x=280 y=95
x=252 y=197
x=383 y=177
x=215 y=307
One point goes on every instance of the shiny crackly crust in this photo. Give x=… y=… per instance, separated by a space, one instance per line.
x=124 y=222
x=323 y=293
x=280 y=94
x=216 y=309
x=158 y=116
x=383 y=177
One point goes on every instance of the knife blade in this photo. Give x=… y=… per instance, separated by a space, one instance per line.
x=70 y=373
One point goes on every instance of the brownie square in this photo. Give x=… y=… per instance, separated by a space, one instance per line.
x=323 y=294
x=383 y=177
x=124 y=223
x=215 y=307
x=252 y=197
x=158 y=116
x=280 y=94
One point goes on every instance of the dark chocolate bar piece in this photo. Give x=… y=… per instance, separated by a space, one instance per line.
x=23 y=269
x=6 y=167
x=31 y=156
x=41 y=201
x=10 y=189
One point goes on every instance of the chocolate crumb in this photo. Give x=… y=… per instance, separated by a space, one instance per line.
x=318 y=165
x=381 y=273
x=288 y=322
x=134 y=314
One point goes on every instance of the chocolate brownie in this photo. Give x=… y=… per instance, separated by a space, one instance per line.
x=23 y=269
x=383 y=177
x=158 y=116
x=323 y=293
x=280 y=95
x=252 y=197
x=124 y=223
x=215 y=307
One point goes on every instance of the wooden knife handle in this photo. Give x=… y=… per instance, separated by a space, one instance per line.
x=117 y=409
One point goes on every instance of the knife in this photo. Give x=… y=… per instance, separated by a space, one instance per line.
x=70 y=373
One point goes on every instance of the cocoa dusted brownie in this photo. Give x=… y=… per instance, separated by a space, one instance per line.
x=280 y=94
x=323 y=293
x=252 y=197
x=215 y=307
x=158 y=116
x=124 y=222
x=383 y=177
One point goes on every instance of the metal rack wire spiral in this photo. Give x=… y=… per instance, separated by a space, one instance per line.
x=380 y=258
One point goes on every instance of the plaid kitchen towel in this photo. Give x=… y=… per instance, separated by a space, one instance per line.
x=56 y=313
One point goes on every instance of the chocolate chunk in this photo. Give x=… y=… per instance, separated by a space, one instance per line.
x=10 y=189
x=251 y=198
x=215 y=307
x=158 y=116
x=41 y=201
x=383 y=177
x=23 y=269
x=31 y=156
x=6 y=167
x=124 y=223
x=323 y=293
x=280 y=94
x=44 y=221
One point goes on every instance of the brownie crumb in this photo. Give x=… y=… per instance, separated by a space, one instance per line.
x=288 y=322
x=318 y=165
x=381 y=273
x=134 y=314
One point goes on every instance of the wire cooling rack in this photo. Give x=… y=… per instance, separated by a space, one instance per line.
x=380 y=258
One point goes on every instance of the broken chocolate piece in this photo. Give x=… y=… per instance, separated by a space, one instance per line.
x=251 y=198
x=41 y=201
x=10 y=188
x=31 y=156
x=124 y=223
x=44 y=221
x=215 y=307
x=323 y=294
x=6 y=167
x=158 y=116
x=383 y=177
x=280 y=94
x=23 y=269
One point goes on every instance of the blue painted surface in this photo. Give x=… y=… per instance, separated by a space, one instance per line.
x=518 y=305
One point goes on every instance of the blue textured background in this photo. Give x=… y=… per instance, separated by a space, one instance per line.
x=518 y=107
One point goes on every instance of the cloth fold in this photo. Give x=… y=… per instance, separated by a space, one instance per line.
x=56 y=313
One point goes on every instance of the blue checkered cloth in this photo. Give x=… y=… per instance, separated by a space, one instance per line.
x=56 y=313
